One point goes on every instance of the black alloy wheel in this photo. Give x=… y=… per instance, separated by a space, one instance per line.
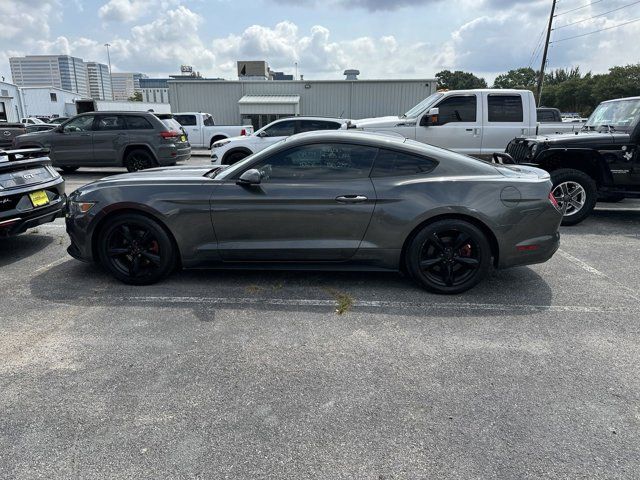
x=449 y=256
x=136 y=249
x=139 y=160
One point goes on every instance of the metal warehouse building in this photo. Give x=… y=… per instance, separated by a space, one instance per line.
x=261 y=102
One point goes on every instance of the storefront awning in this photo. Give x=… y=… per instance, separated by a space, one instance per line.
x=269 y=105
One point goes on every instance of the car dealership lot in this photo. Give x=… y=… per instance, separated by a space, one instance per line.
x=214 y=374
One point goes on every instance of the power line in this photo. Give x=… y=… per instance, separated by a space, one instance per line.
x=578 y=8
x=596 y=16
x=535 y=52
x=596 y=31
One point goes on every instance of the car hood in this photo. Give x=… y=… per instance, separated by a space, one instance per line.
x=381 y=122
x=580 y=138
x=160 y=175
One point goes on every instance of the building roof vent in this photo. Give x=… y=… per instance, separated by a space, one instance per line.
x=351 y=74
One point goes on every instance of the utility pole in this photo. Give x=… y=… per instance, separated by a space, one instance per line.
x=109 y=60
x=544 y=55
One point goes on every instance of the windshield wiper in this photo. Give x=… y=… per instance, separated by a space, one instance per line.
x=213 y=173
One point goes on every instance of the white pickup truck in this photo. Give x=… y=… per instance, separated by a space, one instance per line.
x=203 y=131
x=473 y=122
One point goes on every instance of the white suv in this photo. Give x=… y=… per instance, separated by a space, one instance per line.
x=232 y=150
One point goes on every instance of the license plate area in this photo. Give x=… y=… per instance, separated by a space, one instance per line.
x=39 y=198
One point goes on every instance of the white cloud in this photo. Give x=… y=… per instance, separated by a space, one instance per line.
x=131 y=10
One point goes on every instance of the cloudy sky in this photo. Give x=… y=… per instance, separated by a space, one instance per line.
x=382 y=38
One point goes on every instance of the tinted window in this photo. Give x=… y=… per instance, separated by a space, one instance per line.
x=110 y=122
x=208 y=121
x=394 y=164
x=79 y=124
x=186 y=120
x=281 y=129
x=545 y=116
x=457 y=109
x=138 y=123
x=318 y=162
x=505 y=108
x=312 y=125
x=172 y=124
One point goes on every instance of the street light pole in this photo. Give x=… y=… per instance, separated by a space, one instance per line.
x=109 y=60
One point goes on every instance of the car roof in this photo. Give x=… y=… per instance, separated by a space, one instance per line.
x=374 y=138
x=618 y=99
x=117 y=112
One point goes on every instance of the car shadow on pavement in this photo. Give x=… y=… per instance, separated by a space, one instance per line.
x=607 y=222
x=15 y=249
x=510 y=292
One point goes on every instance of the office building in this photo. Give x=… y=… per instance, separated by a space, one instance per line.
x=99 y=81
x=59 y=71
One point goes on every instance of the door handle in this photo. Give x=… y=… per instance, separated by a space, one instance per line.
x=351 y=199
x=469 y=129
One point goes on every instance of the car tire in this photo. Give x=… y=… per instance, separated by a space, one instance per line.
x=67 y=169
x=449 y=256
x=234 y=157
x=577 y=188
x=136 y=249
x=139 y=159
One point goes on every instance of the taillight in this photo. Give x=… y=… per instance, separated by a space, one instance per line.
x=243 y=132
x=553 y=201
x=170 y=134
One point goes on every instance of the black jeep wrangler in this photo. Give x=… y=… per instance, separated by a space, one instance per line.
x=601 y=162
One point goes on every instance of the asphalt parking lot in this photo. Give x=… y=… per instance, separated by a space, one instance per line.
x=533 y=374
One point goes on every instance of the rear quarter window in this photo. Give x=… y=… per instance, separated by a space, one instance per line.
x=390 y=163
x=138 y=123
x=186 y=120
x=505 y=108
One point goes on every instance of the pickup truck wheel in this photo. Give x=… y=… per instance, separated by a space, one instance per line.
x=67 y=169
x=576 y=191
x=139 y=160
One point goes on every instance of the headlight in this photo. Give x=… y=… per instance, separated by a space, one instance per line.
x=79 y=208
x=534 y=149
x=219 y=144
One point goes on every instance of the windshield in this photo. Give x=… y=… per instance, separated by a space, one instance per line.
x=423 y=105
x=620 y=115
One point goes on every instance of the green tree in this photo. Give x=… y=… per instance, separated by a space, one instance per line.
x=137 y=97
x=459 y=80
x=519 y=78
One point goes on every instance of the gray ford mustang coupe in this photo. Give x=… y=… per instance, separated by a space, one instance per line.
x=322 y=201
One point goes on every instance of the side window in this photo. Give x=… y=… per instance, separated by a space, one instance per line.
x=313 y=125
x=138 y=123
x=208 y=121
x=505 y=108
x=394 y=164
x=281 y=129
x=318 y=162
x=110 y=122
x=546 y=116
x=79 y=124
x=186 y=120
x=458 y=109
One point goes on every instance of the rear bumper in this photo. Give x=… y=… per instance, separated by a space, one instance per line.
x=14 y=223
x=168 y=155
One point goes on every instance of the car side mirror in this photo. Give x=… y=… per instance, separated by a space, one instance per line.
x=262 y=134
x=59 y=129
x=250 y=177
x=431 y=118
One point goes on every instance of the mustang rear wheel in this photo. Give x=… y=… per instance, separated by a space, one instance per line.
x=136 y=249
x=449 y=256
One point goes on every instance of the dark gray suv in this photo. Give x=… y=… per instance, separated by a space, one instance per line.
x=136 y=140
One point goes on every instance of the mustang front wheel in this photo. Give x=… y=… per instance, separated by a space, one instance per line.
x=449 y=256
x=135 y=249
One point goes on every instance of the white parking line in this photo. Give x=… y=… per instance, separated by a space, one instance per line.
x=301 y=302
x=583 y=265
x=52 y=264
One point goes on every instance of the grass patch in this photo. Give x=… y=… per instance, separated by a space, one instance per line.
x=344 y=301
